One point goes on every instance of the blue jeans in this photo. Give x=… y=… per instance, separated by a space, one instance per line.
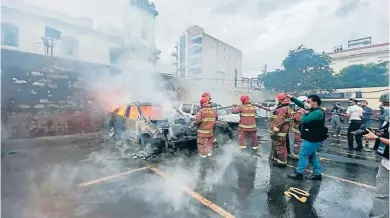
x=308 y=152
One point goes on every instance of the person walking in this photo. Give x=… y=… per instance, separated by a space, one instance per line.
x=313 y=132
x=355 y=115
x=335 y=120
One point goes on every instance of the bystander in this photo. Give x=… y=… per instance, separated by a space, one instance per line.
x=355 y=115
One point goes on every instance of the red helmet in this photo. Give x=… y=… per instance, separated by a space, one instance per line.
x=204 y=101
x=245 y=99
x=206 y=95
x=283 y=98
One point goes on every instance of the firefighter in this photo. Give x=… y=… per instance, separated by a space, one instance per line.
x=205 y=120
x=247 y=126
x=206 y=95
x=279 y=126
x=296 y=120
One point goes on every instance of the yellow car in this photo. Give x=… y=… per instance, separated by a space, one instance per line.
x=143 y=123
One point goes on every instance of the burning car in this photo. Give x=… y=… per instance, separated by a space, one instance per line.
x=145 y=123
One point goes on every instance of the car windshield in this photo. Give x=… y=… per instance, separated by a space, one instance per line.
x=153 y=112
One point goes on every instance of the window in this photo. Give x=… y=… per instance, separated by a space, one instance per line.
x=186 y=108
x=133 y=115
x=69 y=46
x=9 y=35
x=197 y=40
x=196 y=109
x=182 y=57
x=144 y=34
x=122 y=111
x=222 y=112
x=52 y=33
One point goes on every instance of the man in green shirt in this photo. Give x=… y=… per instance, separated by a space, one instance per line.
x=313 y=132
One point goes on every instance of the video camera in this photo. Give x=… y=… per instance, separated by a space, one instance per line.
x=379 y=147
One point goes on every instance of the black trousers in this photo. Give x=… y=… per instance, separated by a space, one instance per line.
x=353 y=126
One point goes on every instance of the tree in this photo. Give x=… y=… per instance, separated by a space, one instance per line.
x=304 y=69
x=369 y=75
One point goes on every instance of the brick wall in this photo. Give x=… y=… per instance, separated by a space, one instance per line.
x=45 y=96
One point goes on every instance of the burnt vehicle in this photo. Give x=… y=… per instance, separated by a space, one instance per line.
x=144 y=123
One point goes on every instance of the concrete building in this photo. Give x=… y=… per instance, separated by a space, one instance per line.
x=370 y=94
x=359 y=55
x=31 y=29
x=202 y=57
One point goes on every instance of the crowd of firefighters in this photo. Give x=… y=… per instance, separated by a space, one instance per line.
x=283 y=120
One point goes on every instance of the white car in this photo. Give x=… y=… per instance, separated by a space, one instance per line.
x=224 y=113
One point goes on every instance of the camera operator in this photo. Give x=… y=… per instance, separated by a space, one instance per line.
x=380 y=206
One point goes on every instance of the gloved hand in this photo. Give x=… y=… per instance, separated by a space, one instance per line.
x=272 y=134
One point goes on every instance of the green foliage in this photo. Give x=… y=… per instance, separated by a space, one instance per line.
x=303 y=70
x=369 y=75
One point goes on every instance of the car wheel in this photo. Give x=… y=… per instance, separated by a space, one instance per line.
x=147 y=145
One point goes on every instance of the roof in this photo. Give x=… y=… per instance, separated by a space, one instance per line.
x=359 y=48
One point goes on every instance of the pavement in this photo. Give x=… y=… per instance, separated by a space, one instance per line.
x=89 y=176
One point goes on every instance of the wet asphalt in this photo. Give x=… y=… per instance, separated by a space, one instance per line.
x=42 y=177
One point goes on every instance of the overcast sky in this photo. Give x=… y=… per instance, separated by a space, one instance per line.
x=263 y=29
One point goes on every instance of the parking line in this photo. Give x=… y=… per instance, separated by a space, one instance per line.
x=335 y=177
x=196 y=196
x=110 y=177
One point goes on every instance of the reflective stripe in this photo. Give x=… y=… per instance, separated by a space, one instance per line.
x=204 y=131
x=208 y=119
x=276 y=129
x=248 y=115
x=294 y=130
x=274 y=116
x=281 y=134
x=247 y=126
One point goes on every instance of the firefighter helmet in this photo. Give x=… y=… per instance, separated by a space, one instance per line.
x=244 y=99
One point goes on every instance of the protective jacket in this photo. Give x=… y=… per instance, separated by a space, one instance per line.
x=206 y=118
x=296 y=119
x=247 y=117
x=280 y=121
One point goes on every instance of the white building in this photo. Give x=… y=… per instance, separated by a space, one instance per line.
x=206 y=59
x=28 y=28
x=359 y=55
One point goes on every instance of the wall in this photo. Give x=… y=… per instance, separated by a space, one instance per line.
x=43 y=96
x=364 y=55
x=139 y=40
x=220 y=61
x=93 y=46
x=192 y=91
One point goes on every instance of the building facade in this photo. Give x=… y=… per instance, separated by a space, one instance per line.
x=31 y=29
x=359 y=55
x=202 y=57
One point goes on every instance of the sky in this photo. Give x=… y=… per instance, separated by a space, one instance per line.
x=265 y=30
